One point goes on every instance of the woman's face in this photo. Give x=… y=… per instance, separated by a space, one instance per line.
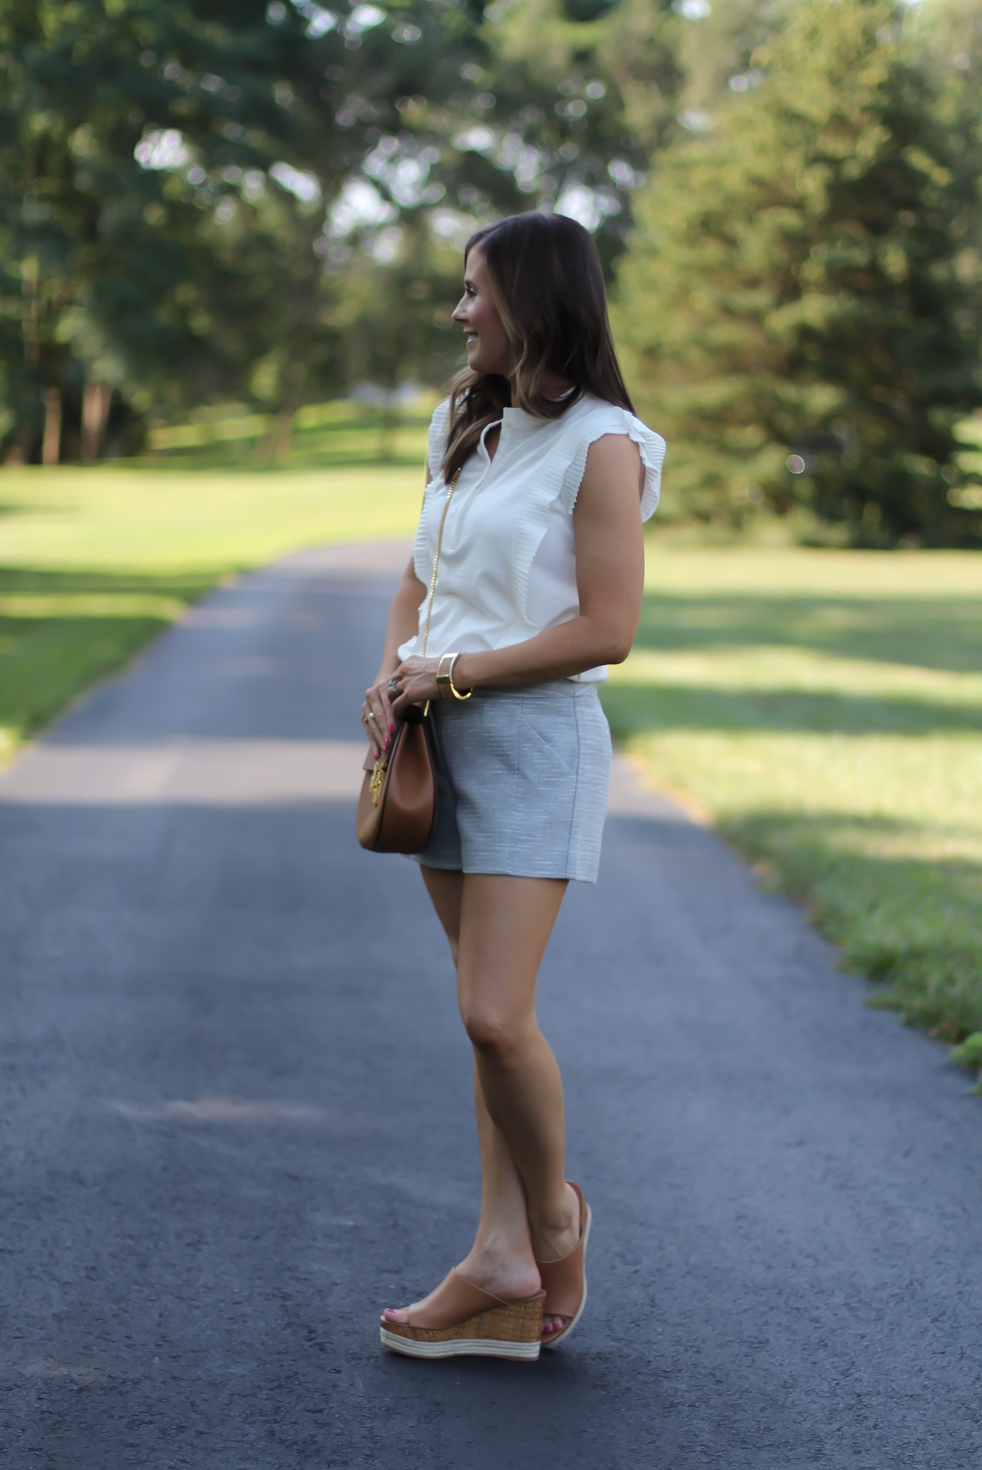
x=487 y=344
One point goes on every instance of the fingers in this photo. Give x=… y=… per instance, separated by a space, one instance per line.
x=382 y=707
x=385 y=697
x=377 y=735
x=382 y=711
x=414 y=691
x=369 y=718
x=369 y=725
x=378 y=718
x=417 y=680
x=402 y=701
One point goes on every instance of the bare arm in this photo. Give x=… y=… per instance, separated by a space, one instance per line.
x=403 y=621
x=609 y=579
x=402 y=624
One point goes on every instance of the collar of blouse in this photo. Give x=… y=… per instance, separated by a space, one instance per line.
x=517 y=418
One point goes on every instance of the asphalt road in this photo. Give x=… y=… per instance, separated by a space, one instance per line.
x=236 y=1116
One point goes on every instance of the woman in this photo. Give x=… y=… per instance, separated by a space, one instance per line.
x=539 y=586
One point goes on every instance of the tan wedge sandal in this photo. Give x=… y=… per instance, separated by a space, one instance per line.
x=564 y=1280
x=459 y=1318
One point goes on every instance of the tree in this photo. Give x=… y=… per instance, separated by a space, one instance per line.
x=102 y=102
x=166 y=170
x=803 y=304
x=531 y=105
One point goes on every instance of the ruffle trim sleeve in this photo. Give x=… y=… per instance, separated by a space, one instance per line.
x=436 y=447
x=617 y=421
x=562 y=475
x=437 y=438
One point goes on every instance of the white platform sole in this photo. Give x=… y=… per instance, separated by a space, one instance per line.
x=474 y=1347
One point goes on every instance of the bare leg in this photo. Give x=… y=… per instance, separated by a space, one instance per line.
x=496 y=1159
x=498 y=929
x=501 y=1258
x=506 y=924
x=502 y=1248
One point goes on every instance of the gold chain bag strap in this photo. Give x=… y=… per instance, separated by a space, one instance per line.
x=397 y=805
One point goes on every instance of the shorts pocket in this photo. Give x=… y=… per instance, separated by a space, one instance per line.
x=549 y=742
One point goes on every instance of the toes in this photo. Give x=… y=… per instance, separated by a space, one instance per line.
x=396 y=1314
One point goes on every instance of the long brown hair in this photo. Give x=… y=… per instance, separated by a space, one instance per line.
x=548 y=286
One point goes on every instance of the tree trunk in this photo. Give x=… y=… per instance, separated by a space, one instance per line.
x=51 y=447
x=284 y=435
x=95 y=412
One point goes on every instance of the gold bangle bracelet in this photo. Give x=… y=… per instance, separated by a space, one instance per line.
x=454 y=691
x=444 y=682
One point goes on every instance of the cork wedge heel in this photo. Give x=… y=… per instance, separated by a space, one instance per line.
x=564 y=1281
x=460 y=1319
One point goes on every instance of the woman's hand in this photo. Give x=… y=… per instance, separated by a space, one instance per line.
x=415 y=682
x=377 y=714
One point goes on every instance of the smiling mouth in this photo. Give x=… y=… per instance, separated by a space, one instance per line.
x=470 y=338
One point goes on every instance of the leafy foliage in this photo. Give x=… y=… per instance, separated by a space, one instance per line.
x=101 y=235
x=803 y=301
x=265 y=202
x=193 y=196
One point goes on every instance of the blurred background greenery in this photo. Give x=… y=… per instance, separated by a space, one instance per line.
x=252 y=208
x=230 y=245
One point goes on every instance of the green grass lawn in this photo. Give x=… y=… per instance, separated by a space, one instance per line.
x=324 y=434
x=93 y=562
x=824 y=709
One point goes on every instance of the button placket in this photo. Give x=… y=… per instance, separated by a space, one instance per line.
x=458 y=509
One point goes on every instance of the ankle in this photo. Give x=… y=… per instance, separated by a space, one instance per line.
x=508 y=1274
x=503 y=1246
x=555 y=1216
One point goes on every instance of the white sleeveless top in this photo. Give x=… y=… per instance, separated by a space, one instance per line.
x=508 y=563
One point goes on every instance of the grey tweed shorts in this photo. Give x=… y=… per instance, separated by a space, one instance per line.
x=521 y=782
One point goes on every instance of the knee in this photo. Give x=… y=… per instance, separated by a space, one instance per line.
x=497 y=1037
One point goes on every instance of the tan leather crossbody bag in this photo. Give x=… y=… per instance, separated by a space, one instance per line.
x=397 y=805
